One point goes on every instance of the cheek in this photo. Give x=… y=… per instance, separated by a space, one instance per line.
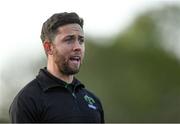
x=57 y=53
x=60 y=49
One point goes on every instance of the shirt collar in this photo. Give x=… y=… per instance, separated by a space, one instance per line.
x=48 y=81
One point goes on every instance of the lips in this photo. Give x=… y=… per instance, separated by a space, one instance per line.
x=75 y=59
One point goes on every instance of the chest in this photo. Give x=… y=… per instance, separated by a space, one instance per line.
x=65 y=106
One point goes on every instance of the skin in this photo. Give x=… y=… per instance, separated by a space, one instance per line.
x=66 y=52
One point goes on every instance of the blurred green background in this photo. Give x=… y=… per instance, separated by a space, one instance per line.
x=135 y=74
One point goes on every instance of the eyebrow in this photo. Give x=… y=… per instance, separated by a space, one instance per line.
x=71 y=36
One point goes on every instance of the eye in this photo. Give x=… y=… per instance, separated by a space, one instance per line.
x=69 y=40
x=81 y=40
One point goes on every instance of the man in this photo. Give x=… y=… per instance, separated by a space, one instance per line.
x=55 y=95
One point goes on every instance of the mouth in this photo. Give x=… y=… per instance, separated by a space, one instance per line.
x=75 y=59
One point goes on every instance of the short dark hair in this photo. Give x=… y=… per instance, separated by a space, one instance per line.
x=50 y=26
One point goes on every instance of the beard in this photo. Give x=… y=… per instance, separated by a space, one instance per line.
x=67 y=70
x=63 y=64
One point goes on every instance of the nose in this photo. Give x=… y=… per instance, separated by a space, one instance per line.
x=77 y=46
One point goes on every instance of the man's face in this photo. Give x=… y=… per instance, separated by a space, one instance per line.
x=69 y=48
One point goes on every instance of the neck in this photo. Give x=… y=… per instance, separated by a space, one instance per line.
x=53 y=69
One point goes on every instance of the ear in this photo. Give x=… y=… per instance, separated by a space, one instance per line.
x=47 y=47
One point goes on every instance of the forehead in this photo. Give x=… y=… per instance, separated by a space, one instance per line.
x=70 y=29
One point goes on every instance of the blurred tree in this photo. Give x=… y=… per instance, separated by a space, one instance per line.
x=137 y=79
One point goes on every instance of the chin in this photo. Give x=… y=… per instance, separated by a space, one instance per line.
x=75 y=71
x=70 y=71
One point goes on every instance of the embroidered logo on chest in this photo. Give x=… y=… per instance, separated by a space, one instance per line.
x=90 y=102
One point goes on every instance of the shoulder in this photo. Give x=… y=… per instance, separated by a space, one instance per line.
x=27 y=103
x=30 y=89
x=91 y=94
x=28 y=95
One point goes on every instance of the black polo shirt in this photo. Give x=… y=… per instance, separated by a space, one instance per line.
x=49 y=99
